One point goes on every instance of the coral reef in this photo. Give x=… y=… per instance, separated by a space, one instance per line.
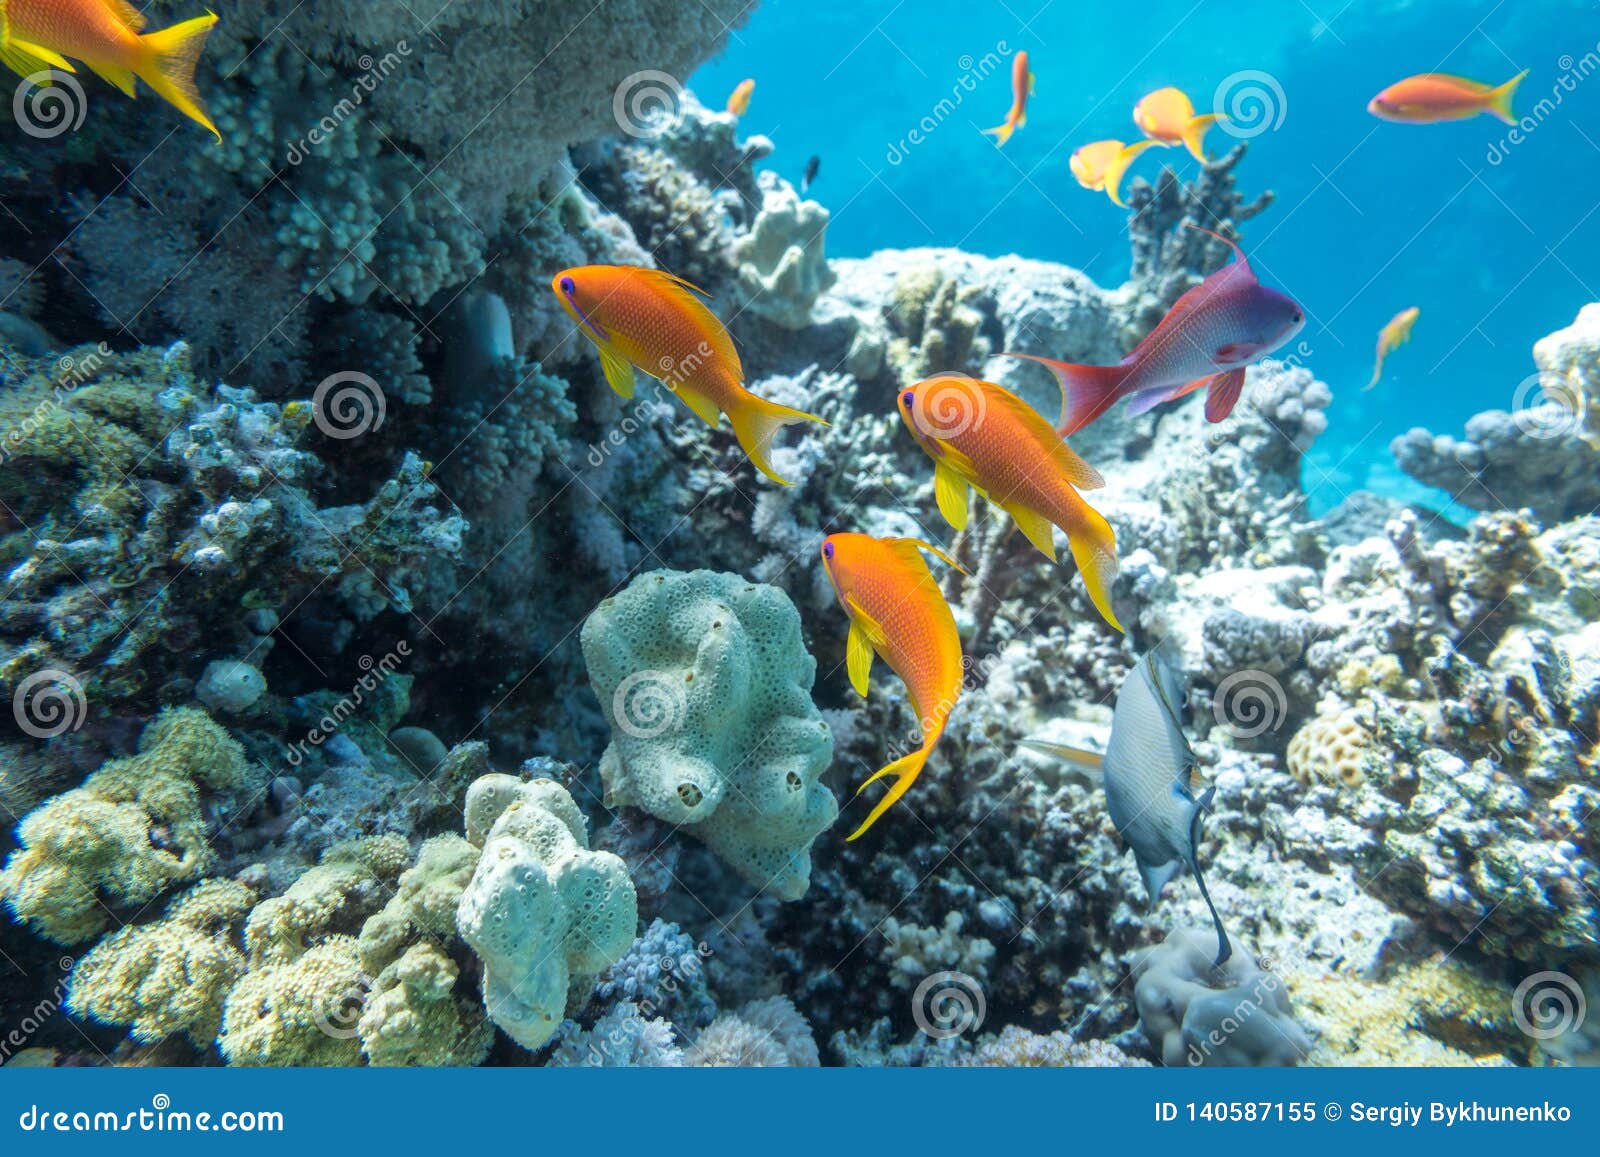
x=543 y=912
x=706 y=684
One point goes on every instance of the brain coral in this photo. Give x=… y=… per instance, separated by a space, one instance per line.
x=1332 y=748
x=543 y=912
x=1196 y=1014
x=133 y=829
x=706 y=684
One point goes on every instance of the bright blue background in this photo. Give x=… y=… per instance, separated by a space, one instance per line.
x=814 y=1112
x=1370 y=218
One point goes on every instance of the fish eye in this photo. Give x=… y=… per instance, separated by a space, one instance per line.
x=827 y=550
x=907 y=398
x=568 y=286
x=1298 y=317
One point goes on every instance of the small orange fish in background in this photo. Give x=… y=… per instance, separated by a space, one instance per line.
x=897 y=613
x=739 y=98
x=107 y=35
x=650 y=319
x=1438 y=96
x=1167 y=115
x=982 y=435
x=1390 y=338
x=1101 y=166
x=1021 y=90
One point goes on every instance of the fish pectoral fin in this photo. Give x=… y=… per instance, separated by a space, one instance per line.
x=28 y=60
x=870 y=626
x=858 y=658
x=704 y=408
x=1223 y=394
x=1234 y=351
x=1036 y=526
x=951 y=490
x=120 y=77
x=618 y=371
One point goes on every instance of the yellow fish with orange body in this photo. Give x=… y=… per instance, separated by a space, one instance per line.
x=898 y=613
x=1022 y=87
x=739 y=98
x=1167 y=115
x=983 y=436
x=1100 y=166
x=109 y=37
x=651 y=320
x=1390 y=338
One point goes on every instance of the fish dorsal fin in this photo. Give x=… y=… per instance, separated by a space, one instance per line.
x=953 y=494
x=127 y=14
x=1073 y=468
x=1231 y=244
x=684 y=294
x=915 y=544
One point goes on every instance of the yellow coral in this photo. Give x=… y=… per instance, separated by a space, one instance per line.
x=130 y=831
x=299 y=1013
x=1437 y=1013
x=340 y=891
x=170 y=976
x=1332 y=748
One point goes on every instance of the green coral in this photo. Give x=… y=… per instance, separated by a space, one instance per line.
x=131 y=831
x=416 y=1014
x=170 y=976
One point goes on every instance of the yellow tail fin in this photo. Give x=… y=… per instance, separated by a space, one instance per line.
x=1118 y=168
x=1194 y=135
x=905 y=771
x=1500 y=98
x=755 y=421
x=1002 y=133
x=1094 y=547
x=172 y=57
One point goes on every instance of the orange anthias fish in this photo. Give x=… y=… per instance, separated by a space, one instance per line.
x=1391 y=337
x=898 y=614
x=1100 y=166
x=982 y=435
x=37 y=35
x=1438 y=96
x=1021 y=90
x=653 y=320
x=1167 y=115
x=739 y=98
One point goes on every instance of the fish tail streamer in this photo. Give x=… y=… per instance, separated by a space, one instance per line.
x=755 y=422
x=904 y=772
x=1086 y=391
x=1002 y=132
x=173 y=54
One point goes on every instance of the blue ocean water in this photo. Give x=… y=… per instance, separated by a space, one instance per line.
x=1491 y=233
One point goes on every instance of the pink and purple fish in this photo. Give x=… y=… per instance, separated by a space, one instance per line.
x=1207 y=339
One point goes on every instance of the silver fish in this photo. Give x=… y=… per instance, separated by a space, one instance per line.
x=1150 y=774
